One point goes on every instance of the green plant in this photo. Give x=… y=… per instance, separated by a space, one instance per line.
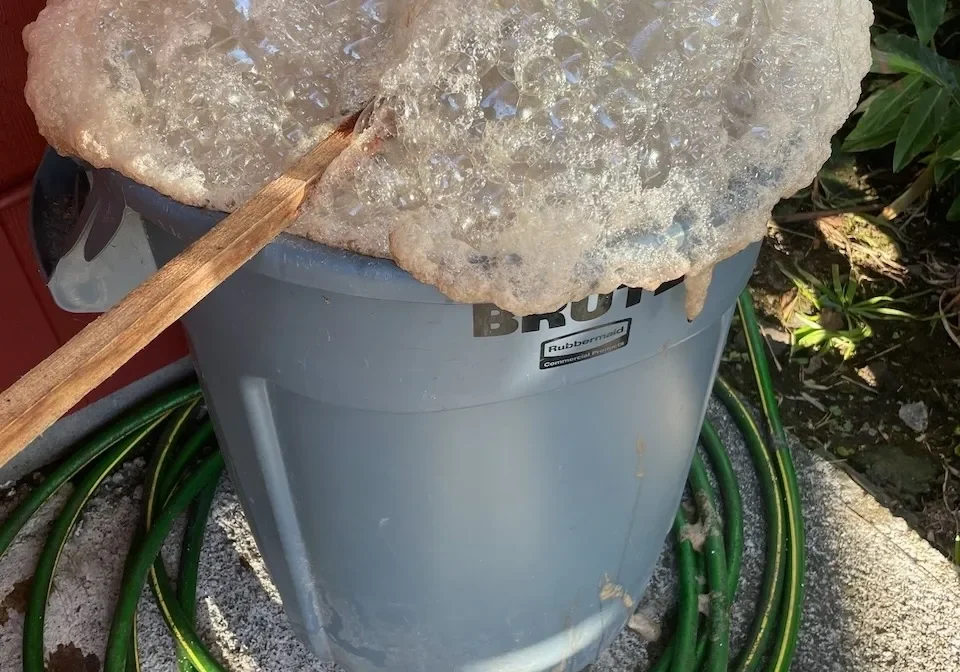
x=916 y=105
x=839 y=298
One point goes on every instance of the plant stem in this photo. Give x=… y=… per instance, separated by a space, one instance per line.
x=920 y=187
x=817 y=214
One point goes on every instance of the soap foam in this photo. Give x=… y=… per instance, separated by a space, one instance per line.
x=527 y=152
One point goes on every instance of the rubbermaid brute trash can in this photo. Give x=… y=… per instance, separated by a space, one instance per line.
x=437 y=486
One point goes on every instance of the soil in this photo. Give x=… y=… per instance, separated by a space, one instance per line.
x=16 y=600
x=854 y=408
x=888 y=412
x=69 y=658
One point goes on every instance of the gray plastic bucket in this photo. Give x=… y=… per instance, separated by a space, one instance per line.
x=437 y=486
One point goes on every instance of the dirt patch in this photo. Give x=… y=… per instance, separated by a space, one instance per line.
x=855 y=408
x=15 y=600
x=70 y=658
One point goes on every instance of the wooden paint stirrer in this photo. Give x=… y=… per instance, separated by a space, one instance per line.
x=58 y=383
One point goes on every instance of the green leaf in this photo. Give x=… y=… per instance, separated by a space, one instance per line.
x=814 y=339
x=814 y=281
x=891 y=312
x=921 y=126
x=899 y=53
x=803 y=288
x=852 y=287
x=884 y=115
x=950 y=148
x=944 y=170
x=808 y=321
x=881 y=138
x=952 y=125
x=875 y=300
x=806 y=292
x=953 y=214
x=927 y=16
x=837 y=285
x=866 y=102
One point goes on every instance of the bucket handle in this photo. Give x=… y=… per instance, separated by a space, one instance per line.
x=90 y=248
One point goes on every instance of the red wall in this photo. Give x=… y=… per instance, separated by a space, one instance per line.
x=31 y=325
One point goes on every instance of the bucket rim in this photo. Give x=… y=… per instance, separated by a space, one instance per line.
x=289 y=258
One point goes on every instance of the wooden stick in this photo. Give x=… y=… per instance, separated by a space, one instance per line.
x=58 y=383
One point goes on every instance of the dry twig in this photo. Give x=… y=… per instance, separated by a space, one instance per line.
x=799 y=217
x=946 y=307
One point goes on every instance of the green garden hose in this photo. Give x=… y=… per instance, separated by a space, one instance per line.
x=732 y=528
x=190 y=564
x=732 y=504
x=136 y=575
x=183 y=476
x=167 y=465
x=716 y=563
x=683 y=653
x=86 y=454
x=33 y=652
x=792 y=608
x=170 y=435
x=191 y=653
x=776 y=621
x=771 y=589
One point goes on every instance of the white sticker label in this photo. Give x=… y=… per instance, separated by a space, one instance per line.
x=585 y=344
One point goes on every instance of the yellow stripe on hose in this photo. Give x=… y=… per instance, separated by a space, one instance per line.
x=149 y=507
x=151 y=495
x=794 y=569
x=751 y=655
x=176 y=632
x=165 y=449
x=794 y=587
x=133 y=442
x=135 y=640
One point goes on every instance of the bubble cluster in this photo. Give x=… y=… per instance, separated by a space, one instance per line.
x=530 y=152
x=205 y=100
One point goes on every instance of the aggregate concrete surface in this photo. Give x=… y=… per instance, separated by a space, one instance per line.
x=878 y=596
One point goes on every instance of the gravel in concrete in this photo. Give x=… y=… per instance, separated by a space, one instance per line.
x=878 y=596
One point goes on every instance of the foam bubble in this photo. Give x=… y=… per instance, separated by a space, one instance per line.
x=528 y=152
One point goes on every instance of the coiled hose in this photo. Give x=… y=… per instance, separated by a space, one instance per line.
x=185 y=467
